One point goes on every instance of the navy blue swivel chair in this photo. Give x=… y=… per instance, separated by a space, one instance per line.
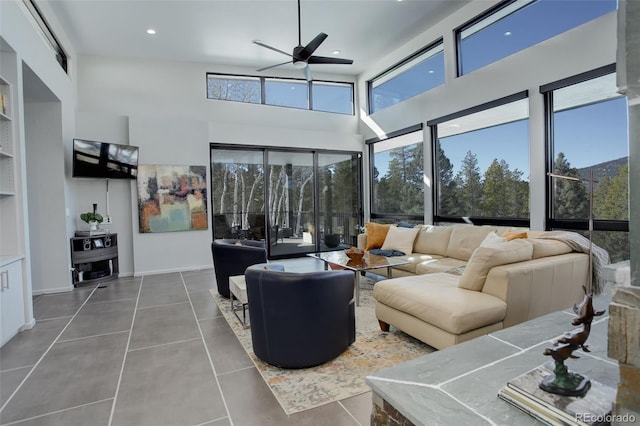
x=299 y=320
x=230 y=259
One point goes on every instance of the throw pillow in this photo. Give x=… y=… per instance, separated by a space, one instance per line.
x=486 y=257
x=376 y=233
x=433 y=239
x=386 y=253
x=400 y=239
x=492 y=240
x=512 y=235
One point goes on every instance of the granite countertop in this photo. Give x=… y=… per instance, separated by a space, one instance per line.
x=459 y=385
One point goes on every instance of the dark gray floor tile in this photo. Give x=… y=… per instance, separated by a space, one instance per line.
x=59 y=305
x=204 y=305
x=172 y=277
x=162 y=293
x=199 y=282
x=170 y=385
x=116 y=290
x=163 y=324
x=101 y=318
x=208 y=271
x=10 y=380
x=251 y=402
x=360 y=407
x=71 y=374
x=95 y=414
x=219 y=422
x=226 y=351
x=26 y=347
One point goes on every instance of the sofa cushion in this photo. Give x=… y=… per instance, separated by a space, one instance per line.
x=415 y=259
x=376 y=233
x=465 y=239
x=437 y=300
x=432 y=240
x=444 y=264
x=486 y=257
x=543 y=247
x=400 y=239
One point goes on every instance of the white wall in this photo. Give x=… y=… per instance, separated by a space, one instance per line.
x=581 y=49
x=115 y=129
x=162 y=108
x=175 y=142
x=34 y=57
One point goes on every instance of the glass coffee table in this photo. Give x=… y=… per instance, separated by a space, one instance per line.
x=369 y=262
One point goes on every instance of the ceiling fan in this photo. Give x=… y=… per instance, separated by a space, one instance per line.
x=302 y=56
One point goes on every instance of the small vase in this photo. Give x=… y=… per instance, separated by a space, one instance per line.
x=93 y=225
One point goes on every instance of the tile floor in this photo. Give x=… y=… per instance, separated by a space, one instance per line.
x=150 y=350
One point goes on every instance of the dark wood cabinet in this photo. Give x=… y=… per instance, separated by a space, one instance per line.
x=94 y=258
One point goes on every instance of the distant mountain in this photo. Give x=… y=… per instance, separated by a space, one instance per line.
x=608 y=168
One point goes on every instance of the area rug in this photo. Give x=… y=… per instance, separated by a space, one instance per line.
x=343 y=377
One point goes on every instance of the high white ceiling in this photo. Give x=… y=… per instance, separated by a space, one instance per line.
x=222 y=31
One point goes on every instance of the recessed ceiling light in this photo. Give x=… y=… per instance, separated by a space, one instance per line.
x=151 y=31
x=507 y=33
x=336 y=52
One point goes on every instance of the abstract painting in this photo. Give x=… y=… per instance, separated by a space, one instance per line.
x=172 y=198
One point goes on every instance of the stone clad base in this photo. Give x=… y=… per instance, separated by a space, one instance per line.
x=383 y=414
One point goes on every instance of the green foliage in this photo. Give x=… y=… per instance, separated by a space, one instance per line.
x=402 y=188
x=571 y=197
x=91 y=217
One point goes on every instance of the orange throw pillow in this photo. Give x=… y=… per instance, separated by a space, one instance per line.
x=376 y=234
x=512 y=235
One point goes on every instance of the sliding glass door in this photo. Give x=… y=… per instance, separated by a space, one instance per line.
x=296 y=201
x=291 y=209
x=237 y=194
x=339 y=199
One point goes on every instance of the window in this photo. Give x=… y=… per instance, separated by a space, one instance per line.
x=482 y=162
x=398 y=177
x=230 y=88
x=518 y=24
x=415 y=75
x=332 y=97
x=289 y=93
x=588 y=134
x=327 y=96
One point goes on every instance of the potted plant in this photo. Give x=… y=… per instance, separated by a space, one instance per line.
x=92 y=218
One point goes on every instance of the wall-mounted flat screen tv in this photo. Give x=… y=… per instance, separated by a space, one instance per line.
x=95 y=159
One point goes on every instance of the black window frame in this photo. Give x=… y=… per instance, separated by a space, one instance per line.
x=433 y=124
x=389 y=217
x=263 y=80
x=570 y=224
x=403 y=62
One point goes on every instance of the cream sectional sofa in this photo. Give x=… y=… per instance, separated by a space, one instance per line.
x=464 y=281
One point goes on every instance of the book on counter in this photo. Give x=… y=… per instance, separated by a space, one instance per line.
x=524 y=393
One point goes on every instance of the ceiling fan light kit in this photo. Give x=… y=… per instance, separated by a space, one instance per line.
x=302 y=56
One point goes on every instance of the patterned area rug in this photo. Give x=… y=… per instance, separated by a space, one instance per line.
x=343 y=377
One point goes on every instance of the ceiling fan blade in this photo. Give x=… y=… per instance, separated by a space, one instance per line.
x=259 y=43
x=273 y=66
x=312 y=46
x=328 y=60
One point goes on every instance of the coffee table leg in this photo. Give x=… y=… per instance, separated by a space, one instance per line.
x=357 y=286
